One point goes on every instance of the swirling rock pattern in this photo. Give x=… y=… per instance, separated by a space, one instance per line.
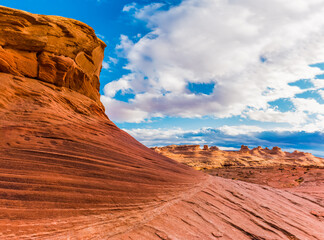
x=67 y=172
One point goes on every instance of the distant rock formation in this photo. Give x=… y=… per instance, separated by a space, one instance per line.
x=214 y=148
x=212 y=157
x=68 y=172
x=244 y=149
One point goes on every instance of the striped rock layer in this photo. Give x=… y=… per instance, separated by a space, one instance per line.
x=67 y=172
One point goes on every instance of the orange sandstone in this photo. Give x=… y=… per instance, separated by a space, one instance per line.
x=67 y=172
x=53 y=49
x=212 y=157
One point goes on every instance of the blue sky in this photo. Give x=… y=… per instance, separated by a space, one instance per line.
x=217 y=72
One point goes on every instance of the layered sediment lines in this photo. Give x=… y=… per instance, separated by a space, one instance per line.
x=65 y=167
x=225 y=209
x=67 y=172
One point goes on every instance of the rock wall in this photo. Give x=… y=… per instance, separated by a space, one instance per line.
x=56 y=50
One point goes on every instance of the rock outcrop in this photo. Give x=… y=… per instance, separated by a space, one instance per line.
x=244 y=149
x=56 y=50
x=212 y=157
x=296 y=171
x=67 y=172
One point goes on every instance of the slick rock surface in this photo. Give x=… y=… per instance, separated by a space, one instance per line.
x=68 y=172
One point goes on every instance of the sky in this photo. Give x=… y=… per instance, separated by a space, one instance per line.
x=216 y=72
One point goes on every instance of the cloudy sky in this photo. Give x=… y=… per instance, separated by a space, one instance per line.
x=218 y=72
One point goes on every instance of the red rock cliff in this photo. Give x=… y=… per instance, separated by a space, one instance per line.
x=67 y=172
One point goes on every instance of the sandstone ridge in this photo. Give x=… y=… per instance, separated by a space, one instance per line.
x=68 y=172
x=213 y=157
x=60 y=51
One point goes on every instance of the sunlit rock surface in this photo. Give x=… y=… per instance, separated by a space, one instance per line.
x=67 y=172
x=213 y=157
x=53 y=49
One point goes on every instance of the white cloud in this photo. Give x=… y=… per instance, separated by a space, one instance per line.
x=100 y=36
x=317 y=124
x=308 y=105
x=159 y=133
x=160 y=137
x=242 y=129
x=229 y=148
x=105 y=65
x=231 y=137
x=129 y=7
x=318 y=83
x=112 y=88
x=113 y=60
x=121 y=110
x=321 y=93
x=147 y=11
x=221 y=42
x=272 y=115
x=125 y=45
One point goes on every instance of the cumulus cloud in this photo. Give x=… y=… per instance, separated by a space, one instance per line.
x=296 y=118
x=308 y=105
x=125 y=46
x=122 y=110
x=249 y=49
x=121 y=85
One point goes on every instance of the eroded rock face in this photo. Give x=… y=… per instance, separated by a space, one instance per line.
x=244 y=149
x=212 y=157
x=53 y=49
x=68 y=172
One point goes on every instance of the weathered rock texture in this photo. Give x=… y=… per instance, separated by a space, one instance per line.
x=53 y=49
x=67 y=172
x=298 y=171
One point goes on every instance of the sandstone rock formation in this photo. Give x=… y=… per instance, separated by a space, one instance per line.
x=297 y=171
x=52 y=49
x=67 y=172
x=213 y=157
